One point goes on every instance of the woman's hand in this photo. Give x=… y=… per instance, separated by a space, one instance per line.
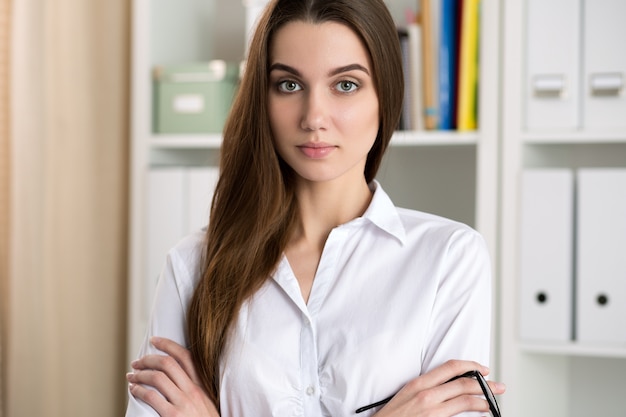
x=173 y=376
x=431 y=395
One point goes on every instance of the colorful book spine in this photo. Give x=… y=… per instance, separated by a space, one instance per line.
x=457 y=69
x=429 y=66
x=447 y=64
x=468 y=68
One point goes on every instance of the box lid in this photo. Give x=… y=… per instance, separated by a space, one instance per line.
x=201 y=72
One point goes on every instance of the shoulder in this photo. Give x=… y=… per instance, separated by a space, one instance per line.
x=186 y=258
x=440 y=232
x=416 y=221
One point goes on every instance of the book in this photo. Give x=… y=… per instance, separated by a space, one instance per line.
x=429 y=65
x=468 y=67
x=447 y=64
x=405 y=116
x=457 y=67
x=415 y=76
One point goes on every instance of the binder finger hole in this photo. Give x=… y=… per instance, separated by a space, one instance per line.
x=602 y=299
x=542 y=297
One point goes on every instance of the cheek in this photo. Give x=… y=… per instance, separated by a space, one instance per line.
x=281 y=115
x=362 y=117
x=280 y=126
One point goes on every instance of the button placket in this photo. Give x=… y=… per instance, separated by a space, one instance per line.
x=310 y=378
x=324 y=276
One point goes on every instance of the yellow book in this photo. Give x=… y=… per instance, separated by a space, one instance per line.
x=468 y=66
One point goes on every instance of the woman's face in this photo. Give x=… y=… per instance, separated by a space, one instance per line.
x=323 y=105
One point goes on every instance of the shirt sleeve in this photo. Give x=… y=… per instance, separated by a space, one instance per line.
x=460 y=325
x=167 y=319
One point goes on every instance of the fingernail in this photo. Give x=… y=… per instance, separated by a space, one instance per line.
x=500 y=386
x=134 y=364
x=154 y=339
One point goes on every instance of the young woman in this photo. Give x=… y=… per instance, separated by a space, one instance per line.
x=310 y=293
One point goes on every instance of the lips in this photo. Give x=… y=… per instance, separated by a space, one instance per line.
x=317 y=150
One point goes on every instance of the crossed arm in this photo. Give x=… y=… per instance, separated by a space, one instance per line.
x=170 y=385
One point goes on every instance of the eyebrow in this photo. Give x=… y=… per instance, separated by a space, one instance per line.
x=335 y=71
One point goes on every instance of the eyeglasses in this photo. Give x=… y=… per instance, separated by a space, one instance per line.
x=484 y=386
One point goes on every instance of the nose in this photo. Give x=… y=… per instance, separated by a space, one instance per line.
x=314 y=113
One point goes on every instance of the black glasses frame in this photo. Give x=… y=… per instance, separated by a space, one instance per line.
x=484 y=386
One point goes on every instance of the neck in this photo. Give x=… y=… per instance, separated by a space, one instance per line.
x=324 y=206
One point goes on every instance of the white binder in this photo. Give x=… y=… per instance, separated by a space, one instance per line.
x=552 y=85
x=547 y=221
x=601 y=266
x=164 y=223
x=604 y=105
x=200 y=187
x=179 y=200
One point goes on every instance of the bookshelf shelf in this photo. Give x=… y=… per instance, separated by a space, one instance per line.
x=434 y=138
x=574 y=137
x=575 y=349
x=187 y=141
x=400 y=138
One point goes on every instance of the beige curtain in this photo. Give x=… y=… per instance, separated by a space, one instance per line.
x=4 y=184
x=69 y=141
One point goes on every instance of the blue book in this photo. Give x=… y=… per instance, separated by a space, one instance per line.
x=447 y=63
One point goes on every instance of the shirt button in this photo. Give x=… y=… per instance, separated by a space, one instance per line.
x=310 y=390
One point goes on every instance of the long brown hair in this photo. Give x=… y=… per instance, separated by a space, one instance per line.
x=254 y=208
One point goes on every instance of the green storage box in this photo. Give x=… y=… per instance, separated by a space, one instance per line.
x=193 y=98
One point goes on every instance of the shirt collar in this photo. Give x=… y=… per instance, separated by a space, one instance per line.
x=383 y=213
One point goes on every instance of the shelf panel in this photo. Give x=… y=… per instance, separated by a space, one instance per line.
x=400 y=138
x=575 y=349
x=434 y=138
x=186 y=141
x=574 y=137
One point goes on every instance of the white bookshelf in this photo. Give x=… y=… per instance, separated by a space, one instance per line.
x=449 y=173
x=569 y=379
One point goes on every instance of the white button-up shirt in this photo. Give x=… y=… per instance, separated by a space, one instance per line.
x=397 y=292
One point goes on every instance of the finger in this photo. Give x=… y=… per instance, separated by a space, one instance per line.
x=166 y=365
x=468 y=386
x=151 y=397
x=157 y=380
x=462 y=386
x=447 y=371
x=464 y=403
x=497 y=388
x=178 y=352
